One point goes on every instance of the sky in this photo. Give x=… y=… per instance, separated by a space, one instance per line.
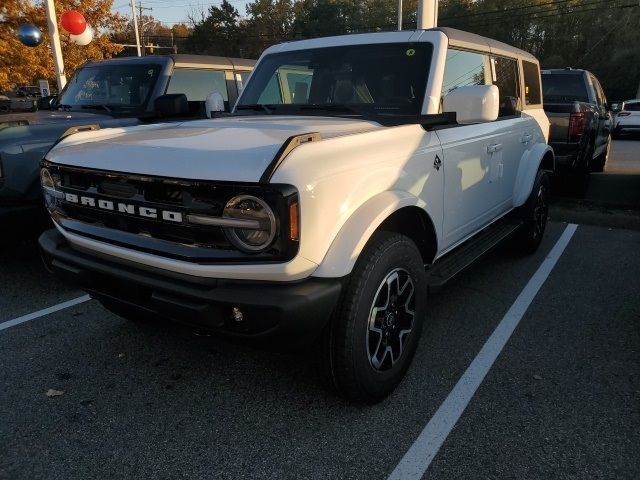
x=170 y=12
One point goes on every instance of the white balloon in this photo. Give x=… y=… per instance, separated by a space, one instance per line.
x=84 y=38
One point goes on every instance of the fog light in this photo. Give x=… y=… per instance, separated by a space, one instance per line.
x=237 y=314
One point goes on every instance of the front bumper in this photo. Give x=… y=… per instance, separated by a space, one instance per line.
x=628 y=128
x=293 y=309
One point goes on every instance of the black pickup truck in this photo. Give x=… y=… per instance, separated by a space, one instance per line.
x=581 y=123
x=103 y=94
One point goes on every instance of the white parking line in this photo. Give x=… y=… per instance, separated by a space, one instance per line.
x=419 y=456
x=43 y=312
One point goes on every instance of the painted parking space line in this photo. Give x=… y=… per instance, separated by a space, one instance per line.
x=43 y=312
x=420 y=455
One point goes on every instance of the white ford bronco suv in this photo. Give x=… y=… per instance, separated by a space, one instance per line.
x=354 y=174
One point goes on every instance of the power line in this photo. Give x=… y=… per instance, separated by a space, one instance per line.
x=511 y=9
x=551 y=13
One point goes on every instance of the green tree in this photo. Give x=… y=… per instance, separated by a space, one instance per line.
x=217 y=33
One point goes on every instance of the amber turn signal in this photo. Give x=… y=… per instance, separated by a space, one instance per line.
x=294 y=228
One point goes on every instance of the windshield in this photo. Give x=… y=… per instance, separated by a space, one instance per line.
x=632 y=107
x=564 y=87
x=111 y=86
x=363 y=79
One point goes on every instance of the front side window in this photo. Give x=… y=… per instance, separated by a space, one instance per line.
x=531 y=74
x=463 y=69
x=111 y=86
x=631 y=107
x=505 y=77
x=373 y=79
x=197 y=84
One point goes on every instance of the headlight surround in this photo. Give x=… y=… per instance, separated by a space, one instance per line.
x=261 y=223
x=49 y=183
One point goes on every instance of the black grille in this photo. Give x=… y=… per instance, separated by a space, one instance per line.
x=169 y=238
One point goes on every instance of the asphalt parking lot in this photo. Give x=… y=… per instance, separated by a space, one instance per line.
x=132 y=400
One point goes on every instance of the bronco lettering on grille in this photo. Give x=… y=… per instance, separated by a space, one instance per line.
x=120 y=207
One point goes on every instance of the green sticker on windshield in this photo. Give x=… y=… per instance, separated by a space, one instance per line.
x=410 y=52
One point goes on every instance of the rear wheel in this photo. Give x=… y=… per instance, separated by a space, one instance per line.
x=601 y=160
x=534 y=214
x=373 y=334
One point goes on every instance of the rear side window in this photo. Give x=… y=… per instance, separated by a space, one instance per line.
x=197 y=84
x=564 y=87
x=631 y=107
x=505 y=77
x=531 y=83
x=463 y=69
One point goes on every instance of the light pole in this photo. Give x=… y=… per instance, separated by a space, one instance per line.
x=54 y=40
x=135 y=25
x=399 y=14
x=427 y=14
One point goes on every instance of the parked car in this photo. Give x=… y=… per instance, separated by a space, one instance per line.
x=18 y=101
x=110 y=93
x=581 y=123
x=627 y=120
x=5 y=104
x=355 y=173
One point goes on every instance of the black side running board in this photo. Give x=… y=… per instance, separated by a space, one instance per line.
x=452 y=264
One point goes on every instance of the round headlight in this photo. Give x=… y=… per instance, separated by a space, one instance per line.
x=46 y=180
x=260 y=223
x=49 y=182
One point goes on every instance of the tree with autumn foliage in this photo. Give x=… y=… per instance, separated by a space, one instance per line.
x=20 y=64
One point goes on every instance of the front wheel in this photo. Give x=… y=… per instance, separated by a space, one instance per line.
x=374 y=332
x=534 y=214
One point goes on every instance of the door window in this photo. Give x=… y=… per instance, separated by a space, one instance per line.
x=505 y=77
x=602 y=97
x=531 y=74
x=463 y=69
x=197 y=84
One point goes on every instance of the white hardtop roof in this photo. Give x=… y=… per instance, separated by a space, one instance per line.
x=456 y=38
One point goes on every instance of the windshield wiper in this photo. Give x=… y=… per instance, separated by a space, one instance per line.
x=257 y=106
x=331 y=107
x=102 y=105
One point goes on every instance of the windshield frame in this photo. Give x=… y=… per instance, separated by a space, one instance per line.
x=266 y=69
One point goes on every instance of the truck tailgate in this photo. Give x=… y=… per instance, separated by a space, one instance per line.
x=559 y=115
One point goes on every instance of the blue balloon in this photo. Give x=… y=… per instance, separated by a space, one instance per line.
x=30 y=35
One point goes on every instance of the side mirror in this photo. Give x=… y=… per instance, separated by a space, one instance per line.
x=473 y=104
x=214 y=104
x=171 y=105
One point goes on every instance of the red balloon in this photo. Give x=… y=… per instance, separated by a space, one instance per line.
x=73 y=22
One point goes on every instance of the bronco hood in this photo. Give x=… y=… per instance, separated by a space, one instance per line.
x=226 y=149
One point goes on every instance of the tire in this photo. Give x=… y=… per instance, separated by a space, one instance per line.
x=534 y=214
x=366 y=349
x=601 y=160
x=616 y=133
